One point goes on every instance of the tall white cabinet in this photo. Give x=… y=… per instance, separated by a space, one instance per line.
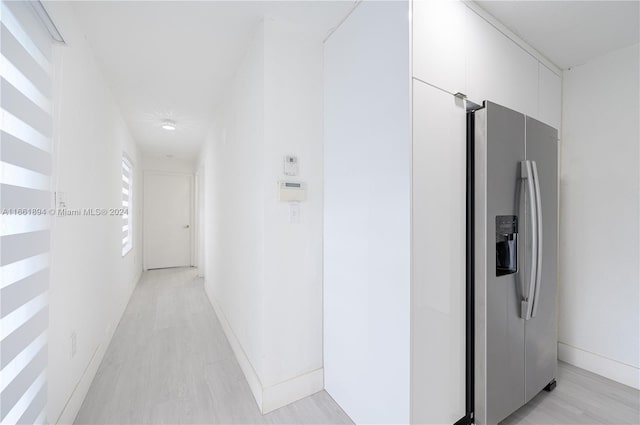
x=395 y=167
x=438 y=256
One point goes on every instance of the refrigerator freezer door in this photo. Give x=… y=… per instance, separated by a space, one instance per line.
x=541 y=330
x=499 y=329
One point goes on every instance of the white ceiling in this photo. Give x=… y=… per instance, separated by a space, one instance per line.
x=570 y=33
x=173 y=59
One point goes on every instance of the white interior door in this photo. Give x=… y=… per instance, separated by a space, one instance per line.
x=167 y=220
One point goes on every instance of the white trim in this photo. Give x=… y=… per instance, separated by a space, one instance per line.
x=275 y=396
x=243 y=360
x=609 y=368
x=279 y=395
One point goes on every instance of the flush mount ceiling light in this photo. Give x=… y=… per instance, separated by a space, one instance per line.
x=168 y=125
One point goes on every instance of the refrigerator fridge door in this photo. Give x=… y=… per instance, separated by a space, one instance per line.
x=541 y=330
x=500 y=212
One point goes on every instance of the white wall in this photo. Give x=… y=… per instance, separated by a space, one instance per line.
x=90 y=280
x=162 y=163
x=262 y=273
x=367 y=171
x=232 y=159
x=293 y=252
x=600 y=195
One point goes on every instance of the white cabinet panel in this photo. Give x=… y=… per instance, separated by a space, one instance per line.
x=367 y=201
x=550 y=97
x=498 y=69
x=439 y=43
x=438 y=257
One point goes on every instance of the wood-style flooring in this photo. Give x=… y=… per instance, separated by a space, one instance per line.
x=170 y=363
x=581 y=397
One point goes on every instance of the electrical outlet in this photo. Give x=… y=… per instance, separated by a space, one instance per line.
x=74 y=344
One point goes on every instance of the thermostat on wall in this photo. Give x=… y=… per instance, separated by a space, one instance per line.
x=292 y=191
x=290 y=165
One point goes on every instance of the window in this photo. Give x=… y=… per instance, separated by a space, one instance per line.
x=25 y=201
x=127 y=205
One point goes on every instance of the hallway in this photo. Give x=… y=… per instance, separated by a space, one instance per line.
x=160 y=369
x=334 y=212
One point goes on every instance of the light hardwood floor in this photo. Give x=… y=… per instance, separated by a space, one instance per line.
x=169 y=362
x=581 y=397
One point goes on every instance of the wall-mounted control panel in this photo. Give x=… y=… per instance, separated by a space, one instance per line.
x=292 y=191
x=290 y=165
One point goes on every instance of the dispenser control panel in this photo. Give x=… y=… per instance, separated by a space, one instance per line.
x=506 y=244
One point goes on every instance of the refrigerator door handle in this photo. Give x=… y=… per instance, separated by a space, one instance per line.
x=538 y=246
x=526 y=305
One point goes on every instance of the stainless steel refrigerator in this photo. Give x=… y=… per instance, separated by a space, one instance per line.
x=513 y=178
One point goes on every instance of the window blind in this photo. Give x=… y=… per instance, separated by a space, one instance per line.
x=25 y=182
x=127 y=192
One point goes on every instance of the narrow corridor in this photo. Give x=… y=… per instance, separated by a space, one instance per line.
x=170 y=362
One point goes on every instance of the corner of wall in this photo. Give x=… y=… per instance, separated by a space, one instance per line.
x=603 y=366
x=276 y=396
x=279 y=395
x=243 y=360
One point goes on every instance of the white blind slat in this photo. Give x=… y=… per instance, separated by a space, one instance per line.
x=127 y=189
x=25 y=183
x=12 y=24
x=20 y=316
x=14 y=224
x=17 y=79
x=25 y=401
x=13 y=368
x=16 y=271
x=14 y=126
x=18 y=176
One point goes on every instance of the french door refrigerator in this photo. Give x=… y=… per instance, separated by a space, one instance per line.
x=512 y=250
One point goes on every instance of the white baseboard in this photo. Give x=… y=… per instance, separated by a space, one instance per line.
x=74 y=403
x=279 y=395
x=612 y=369
x=71 y=409
x=275 y=396
x=246 y=366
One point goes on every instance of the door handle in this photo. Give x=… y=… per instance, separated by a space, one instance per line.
x=539 y=239
x=186 y=226
x=526 y=305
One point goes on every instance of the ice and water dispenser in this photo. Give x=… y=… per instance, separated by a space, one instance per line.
x=506 y=244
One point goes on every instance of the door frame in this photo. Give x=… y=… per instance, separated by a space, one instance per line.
x=192 y=233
